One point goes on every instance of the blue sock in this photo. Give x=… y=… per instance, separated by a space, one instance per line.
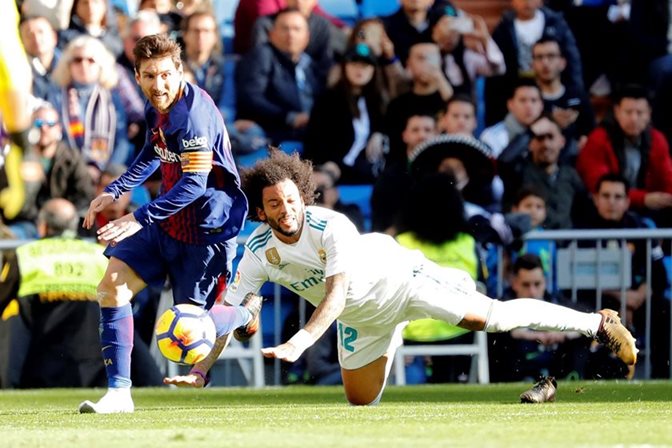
x=228 y=318
x=116 y=338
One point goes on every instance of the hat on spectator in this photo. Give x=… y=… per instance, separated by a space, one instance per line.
x=475 y=155
x=360 y=52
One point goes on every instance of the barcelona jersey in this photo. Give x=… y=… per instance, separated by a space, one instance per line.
x=201 y=201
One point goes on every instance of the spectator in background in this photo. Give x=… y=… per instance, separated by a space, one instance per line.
x=169 y=16
x=39 y=40
x=393 y=77
x=213 y=72
x=628 y=145
x=448 y=244
x=64 y=174
x=94 y=18
x=248 y=11
x=515 y=35
x=326 y=40
x=570 y=108
x=525 y=354
x=394 y=182
x=411 y=24
x=459 y=117
x=531 y=201
x=524 y=107
x=612 y=204
x=91 y=110
x=346 y=121
x=325 y=178
x=559 y=183
x=144 y=23
x=428 y=95
x=467 y=50
x=57 y=13
x=277 y=82
x=57 y=307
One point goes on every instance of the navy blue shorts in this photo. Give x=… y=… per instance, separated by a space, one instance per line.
x=197 y=273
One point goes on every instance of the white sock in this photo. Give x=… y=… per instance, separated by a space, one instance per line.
x=539 y=315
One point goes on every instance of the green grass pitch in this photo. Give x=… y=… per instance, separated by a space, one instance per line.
x=586 y=414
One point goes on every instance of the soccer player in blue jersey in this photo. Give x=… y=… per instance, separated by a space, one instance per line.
x=187 y=233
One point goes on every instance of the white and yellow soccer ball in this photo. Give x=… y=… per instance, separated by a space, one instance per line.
x=185 y=334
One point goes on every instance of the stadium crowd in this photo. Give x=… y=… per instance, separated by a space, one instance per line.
x=552 y=115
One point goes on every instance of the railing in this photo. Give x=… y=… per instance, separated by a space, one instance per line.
x=572 y=237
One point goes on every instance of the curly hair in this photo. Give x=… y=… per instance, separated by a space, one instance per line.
x=270 y=171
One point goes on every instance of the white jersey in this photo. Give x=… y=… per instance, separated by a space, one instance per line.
x=330 y=244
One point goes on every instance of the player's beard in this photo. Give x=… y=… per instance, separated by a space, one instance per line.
x=292 y=232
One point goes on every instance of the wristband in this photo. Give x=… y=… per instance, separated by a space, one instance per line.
x=200 y=373
x=302 y=340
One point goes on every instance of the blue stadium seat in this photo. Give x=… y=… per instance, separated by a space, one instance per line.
x=345 y=10
x=359 y=195
x=378 y=8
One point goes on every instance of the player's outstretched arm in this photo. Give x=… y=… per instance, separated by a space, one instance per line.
x=324 y=315
x=197 y=376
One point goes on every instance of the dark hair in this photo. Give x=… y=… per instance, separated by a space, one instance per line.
x=528 y=262
x=286 y=10
x=460 y=98
x=279 y=166
x=529 y=190
x=613 y=177
x=523 y=81
x=633 y=91
x=548 y=40
x=157 y=46
x=434 y=191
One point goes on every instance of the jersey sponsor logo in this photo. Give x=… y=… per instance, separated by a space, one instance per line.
x=323 y=255
x=273 y=256
x=195 y=142
x=165 y=155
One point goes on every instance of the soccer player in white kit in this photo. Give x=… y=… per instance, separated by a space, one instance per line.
x=371 y=284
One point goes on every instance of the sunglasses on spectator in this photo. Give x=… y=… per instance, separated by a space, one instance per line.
x=39 y=123
x=80 y=59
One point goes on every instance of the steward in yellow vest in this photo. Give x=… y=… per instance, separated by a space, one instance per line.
x=46 y=333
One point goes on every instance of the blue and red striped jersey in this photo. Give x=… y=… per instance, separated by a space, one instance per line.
x=201 y=201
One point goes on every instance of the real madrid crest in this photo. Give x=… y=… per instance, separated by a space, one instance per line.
x=323 y=255
x=273 y=256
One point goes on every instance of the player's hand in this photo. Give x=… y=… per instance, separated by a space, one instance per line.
x=189 y=380
x=97 y=206
x=118 y=230
x=284 y=352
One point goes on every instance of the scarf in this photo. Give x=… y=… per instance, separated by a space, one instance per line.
x=92 y=132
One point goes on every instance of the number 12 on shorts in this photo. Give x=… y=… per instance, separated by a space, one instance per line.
x=348 y=336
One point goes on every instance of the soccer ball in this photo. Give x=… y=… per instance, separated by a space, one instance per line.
x=185 y=334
